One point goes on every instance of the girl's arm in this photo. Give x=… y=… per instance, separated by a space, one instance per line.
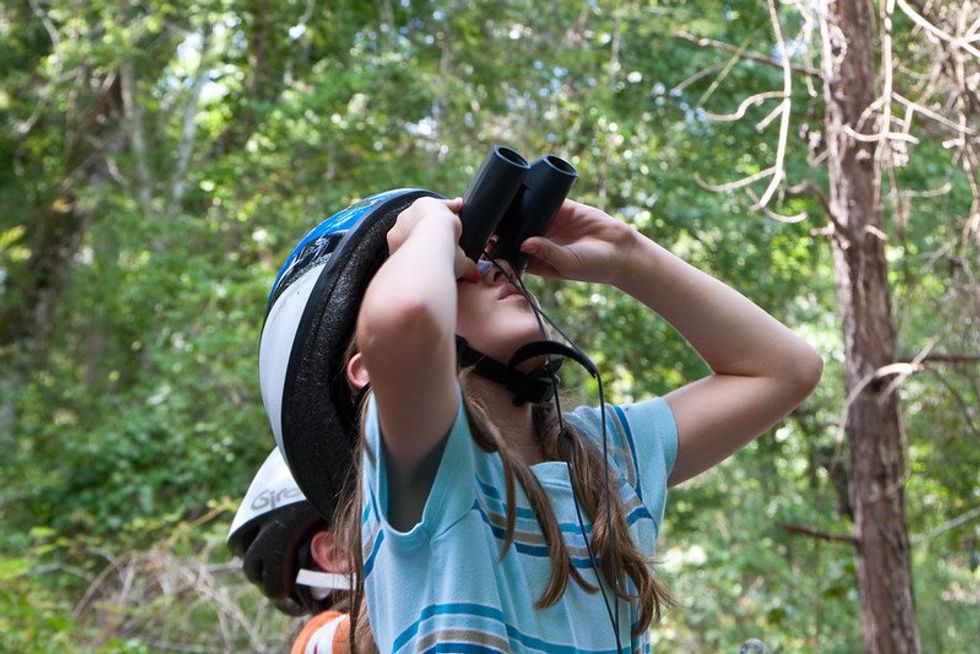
x=760 y=369
x=405 y=334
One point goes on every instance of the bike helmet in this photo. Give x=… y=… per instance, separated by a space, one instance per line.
x=310 y=318
x=271 y=533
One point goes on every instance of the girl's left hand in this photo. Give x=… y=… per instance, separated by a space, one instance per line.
x=583 y=243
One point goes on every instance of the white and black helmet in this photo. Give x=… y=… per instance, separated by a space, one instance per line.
x=310 y=318
x=271 y=533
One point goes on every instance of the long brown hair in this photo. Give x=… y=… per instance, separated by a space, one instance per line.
x=618 y=555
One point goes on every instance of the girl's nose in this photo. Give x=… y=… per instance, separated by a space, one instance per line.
x=492 y=270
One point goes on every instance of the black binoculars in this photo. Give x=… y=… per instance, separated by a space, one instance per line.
x=514 y=200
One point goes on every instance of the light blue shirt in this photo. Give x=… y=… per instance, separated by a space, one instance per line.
x=442 y=586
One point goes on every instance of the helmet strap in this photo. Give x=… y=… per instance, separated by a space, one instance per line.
x=537 y=385
x=323 y=581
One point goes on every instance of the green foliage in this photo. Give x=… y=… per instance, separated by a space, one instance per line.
x=130 y=412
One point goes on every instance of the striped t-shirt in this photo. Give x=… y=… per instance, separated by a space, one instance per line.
x=442 y=586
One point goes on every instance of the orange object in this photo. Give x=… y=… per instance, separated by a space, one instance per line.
x=325 y=633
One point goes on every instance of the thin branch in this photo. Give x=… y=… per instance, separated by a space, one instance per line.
x=46 y=22
x=751 y=56
x=919 y=20
x=883 y=155
x=133 y=114
x=901 y=369
x=822 y=535
x=929 y=193
x=58 y=567
x=716 y=82
x=914 y=365
x=946 y=526
x=752 y=100
x=694 y=78
x=786 y=107
x=94 y=587
x=965 y=408
x=739 y=183
x=946 y=357
x=881 y=136
x=783 y=218
x=809 y=22
x=178 y=183
x=771 y=116
x=939 y=118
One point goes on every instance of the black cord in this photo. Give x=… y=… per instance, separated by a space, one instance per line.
x=613 y=613
x=581 y=527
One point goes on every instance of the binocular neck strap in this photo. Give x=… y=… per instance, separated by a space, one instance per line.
x=538 y=385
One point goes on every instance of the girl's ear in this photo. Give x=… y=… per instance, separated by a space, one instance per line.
x=357 y=374
x=325 y=554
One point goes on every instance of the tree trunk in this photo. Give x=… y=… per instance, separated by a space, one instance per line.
x=874 y=424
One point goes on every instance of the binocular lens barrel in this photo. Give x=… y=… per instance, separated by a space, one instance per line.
x=532 y=211
x=513 y=200
x=489 y=195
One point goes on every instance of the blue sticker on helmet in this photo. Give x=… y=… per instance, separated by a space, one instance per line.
x=338 y=223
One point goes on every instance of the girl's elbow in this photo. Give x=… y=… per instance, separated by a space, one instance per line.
x=808 y=371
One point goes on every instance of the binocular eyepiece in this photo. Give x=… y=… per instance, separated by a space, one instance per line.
x=514 y=200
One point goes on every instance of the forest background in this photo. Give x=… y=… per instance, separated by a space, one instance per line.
x=158 y=160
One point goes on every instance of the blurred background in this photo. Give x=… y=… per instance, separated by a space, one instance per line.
x=159 y=160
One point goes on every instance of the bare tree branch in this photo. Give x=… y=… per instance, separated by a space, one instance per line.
x=961 y=519
x=752 y=100
x=731 y=186
x=178 y=181
x=955 y=41
x=939 y=118
x=785 y=108
x=751 y=56
x=134 y=129
x=822 y=535
x=946 y=357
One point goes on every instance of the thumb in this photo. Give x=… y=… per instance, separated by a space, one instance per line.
x=549 y=259
x=455 y=205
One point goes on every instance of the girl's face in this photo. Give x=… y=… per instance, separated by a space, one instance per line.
x=492 y=314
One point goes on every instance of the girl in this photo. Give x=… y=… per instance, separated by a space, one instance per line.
x=459 y=557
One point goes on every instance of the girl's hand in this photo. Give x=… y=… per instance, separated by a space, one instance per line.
x=583 y=243
x=432 y=213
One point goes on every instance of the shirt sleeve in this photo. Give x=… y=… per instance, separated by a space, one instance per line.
x=643 y=440
x=452 y=493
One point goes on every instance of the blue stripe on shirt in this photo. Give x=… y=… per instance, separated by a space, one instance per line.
x=369 y=564
x=480 y=610
x=629 y=439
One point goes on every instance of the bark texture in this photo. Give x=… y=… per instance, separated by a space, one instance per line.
x=874 y=424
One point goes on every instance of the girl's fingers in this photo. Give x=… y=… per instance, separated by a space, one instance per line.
x=547 y=259
x=545 y=250
x=465 y=267
x=541 y=269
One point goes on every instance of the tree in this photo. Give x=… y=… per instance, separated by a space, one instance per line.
x=863 y=146
x=874 y=421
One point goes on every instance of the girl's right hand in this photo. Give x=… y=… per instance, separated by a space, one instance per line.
x=426 y=213
x=584 y=244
